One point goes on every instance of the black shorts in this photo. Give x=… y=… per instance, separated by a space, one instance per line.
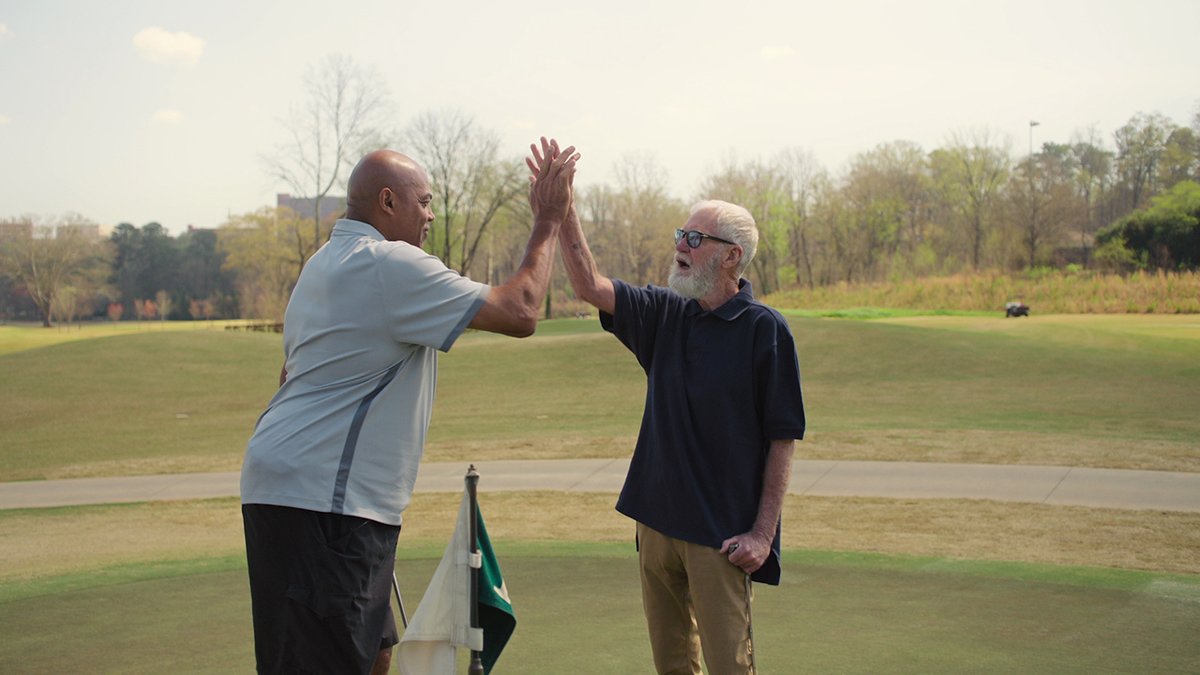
x=320 y=585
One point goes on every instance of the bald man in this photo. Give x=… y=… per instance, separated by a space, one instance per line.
x=333 y=459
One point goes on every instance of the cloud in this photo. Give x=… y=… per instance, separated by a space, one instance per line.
x=775 y=52
x=168 y=116
x=161 y=46
x=4 y=120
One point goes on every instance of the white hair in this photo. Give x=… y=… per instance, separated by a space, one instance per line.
x=735 y=224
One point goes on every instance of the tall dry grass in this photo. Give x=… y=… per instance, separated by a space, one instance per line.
x=1047 y=291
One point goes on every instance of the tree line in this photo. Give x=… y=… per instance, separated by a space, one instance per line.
x=896 y=211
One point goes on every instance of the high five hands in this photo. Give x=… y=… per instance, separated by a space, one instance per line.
x=553 y=173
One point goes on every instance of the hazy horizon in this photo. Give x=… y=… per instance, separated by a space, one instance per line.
x=146 y=111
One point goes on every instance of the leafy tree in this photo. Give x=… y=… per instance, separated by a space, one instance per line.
x=1093 y=178
x=1166 y=235
x=201 y=275
x=127 y=262
x=1181 y=156
x=8 y=289
x=970 y=174
x=147 y=260
x=1141 y=143
x=1042 y=199
x=258 y=253
x=888 y=189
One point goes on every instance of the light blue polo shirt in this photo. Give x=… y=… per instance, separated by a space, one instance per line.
x=346 y=431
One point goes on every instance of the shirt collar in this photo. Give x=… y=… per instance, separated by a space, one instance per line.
x=732 y=308
x=355 y=228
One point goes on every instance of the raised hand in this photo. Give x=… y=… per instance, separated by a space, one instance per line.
x=553 y=173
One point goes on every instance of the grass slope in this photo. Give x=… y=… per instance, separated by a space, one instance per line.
x=148 y=402
x=1085 y=391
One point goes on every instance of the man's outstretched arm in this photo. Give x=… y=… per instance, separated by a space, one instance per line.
x=512 y=308
x=590 y=286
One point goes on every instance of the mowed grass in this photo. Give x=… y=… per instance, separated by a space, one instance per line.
x=1100 y=391
x=916 y=585
x=142 y=403
x=161 y=587
x=578 y=610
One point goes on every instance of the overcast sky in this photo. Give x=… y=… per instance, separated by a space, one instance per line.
x=139 y=111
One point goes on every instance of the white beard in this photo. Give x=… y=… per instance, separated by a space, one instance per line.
x=697 y=282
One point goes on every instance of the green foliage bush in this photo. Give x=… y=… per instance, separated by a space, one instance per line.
x=1166 y=235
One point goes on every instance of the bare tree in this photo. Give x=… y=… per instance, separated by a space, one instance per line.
x=1042 y=198
x=343 y=114
x=645 y=217
x=764 y=191
x=630 y=224
x=804 y=180
x=47 y=263
x=471 y=185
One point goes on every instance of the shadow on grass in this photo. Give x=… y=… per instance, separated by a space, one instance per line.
x=579 y=611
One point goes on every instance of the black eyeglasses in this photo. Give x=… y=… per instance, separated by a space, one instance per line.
x=695 y=238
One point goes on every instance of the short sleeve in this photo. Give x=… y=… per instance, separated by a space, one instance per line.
x=635 y=319
x=779 y=391
x=426 y=302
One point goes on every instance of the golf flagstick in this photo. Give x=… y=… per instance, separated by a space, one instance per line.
x=472 y=479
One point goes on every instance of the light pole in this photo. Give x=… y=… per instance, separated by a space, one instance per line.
x=1032 y=124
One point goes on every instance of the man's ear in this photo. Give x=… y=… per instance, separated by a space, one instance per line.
x=387 y=200
x=733 y=257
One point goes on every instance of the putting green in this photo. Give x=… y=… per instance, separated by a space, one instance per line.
x=578 y=609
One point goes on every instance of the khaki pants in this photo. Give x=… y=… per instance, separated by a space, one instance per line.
x=694 y=596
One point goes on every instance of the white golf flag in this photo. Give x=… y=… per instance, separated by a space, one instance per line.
x=442 y=621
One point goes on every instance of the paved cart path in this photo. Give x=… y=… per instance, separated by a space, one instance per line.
x=1108 y=488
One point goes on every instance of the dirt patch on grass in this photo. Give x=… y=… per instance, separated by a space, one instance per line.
x=47 y=542
x=142 y=466
x=40 y=543
x=986 y=530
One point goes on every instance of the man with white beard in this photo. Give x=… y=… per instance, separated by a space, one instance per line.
x=723 y=410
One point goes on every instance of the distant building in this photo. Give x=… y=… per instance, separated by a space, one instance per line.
x=332 y=206
x=86 y=231
x=15 y=230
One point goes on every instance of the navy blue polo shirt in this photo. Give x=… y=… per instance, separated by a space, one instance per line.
x=720 y=386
